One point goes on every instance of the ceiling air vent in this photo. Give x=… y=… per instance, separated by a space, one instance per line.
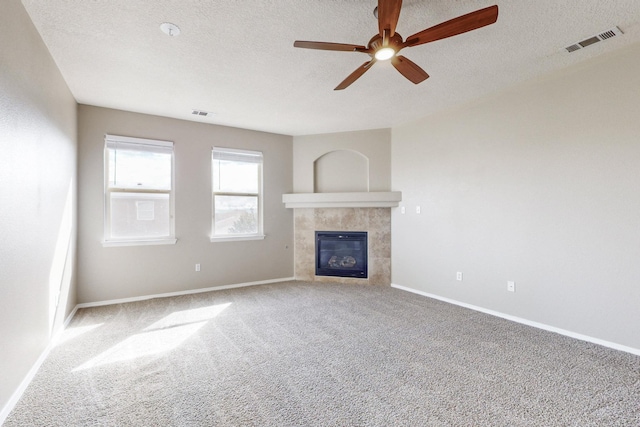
x=615 y=31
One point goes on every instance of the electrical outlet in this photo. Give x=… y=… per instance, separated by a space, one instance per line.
x=459 y=276
x=511 y=286
x=417 y=209
x=197 y=267
x=402 y=210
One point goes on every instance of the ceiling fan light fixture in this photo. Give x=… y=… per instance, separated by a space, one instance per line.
x=384 y=53
x=387 y=43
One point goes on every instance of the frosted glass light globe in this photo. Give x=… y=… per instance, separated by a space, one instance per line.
x=384 y=53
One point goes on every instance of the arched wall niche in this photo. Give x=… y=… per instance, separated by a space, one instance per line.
x=374 y=144
x=341 y=171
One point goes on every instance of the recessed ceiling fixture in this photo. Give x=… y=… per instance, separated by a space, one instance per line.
x=387 y=43
x=170 y=29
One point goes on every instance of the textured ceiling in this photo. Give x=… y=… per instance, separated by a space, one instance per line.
x=236 y=58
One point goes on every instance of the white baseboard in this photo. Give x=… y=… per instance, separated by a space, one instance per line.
x=178 y=293
x=15 y=397
x=17 y=394
x=565 y=332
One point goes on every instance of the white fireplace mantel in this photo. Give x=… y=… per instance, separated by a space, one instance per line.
x=377 y=199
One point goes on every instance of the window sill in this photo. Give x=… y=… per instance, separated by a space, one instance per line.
x=113 y=243
x=237 y=238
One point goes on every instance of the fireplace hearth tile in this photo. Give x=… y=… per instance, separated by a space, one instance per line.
x=304 y=219
x=355 y=219
x=380 y=271
x=380 y=243
x=346 y=280
x=379 y=218
x=328 y=219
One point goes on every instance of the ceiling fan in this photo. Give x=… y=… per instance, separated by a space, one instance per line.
x=387 y=43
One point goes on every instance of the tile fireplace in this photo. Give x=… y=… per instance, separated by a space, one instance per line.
x=376 y=222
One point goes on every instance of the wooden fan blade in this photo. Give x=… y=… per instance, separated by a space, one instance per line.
x=355 y=75
x=388 y=14
x=453 y=27
x=329 y=46
x=409 y=69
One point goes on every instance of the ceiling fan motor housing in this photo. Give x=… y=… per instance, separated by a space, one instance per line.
x=376 y=42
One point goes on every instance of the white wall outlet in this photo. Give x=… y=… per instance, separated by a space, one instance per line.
x=511 y=286
x=459 y=276
x=417 y=209
x=402 y=209
x=197 y=267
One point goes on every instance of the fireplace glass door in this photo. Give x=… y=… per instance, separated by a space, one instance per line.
x=341 y=253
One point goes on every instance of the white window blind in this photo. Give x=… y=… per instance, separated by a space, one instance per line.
x=233 y=155
x=138 y=190
x=237 y=194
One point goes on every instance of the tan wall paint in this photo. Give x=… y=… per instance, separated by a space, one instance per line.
x=538 y=185
x=123 y=272
x=37 y=197
x=341 y=171
x=375 y=145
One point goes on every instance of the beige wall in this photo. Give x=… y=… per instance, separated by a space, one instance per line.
x=538 y=185
x=37 y=198
x=341 y=171
x=375 y=145
x=123 y=272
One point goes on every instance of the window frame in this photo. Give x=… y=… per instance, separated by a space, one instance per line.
x=108 y=240
x=259 y=235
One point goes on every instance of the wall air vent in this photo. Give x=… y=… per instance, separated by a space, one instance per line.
x=201 y=113
x=612 y=32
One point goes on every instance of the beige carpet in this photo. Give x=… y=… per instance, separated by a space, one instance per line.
x=314 y=354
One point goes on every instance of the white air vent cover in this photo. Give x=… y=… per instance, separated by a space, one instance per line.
x=615 y=31
x=201 y=113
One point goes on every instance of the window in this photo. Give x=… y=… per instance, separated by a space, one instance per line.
x=138 y=191
x=237 y=194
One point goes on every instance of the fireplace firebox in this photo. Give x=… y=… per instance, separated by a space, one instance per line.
x=341 y=253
